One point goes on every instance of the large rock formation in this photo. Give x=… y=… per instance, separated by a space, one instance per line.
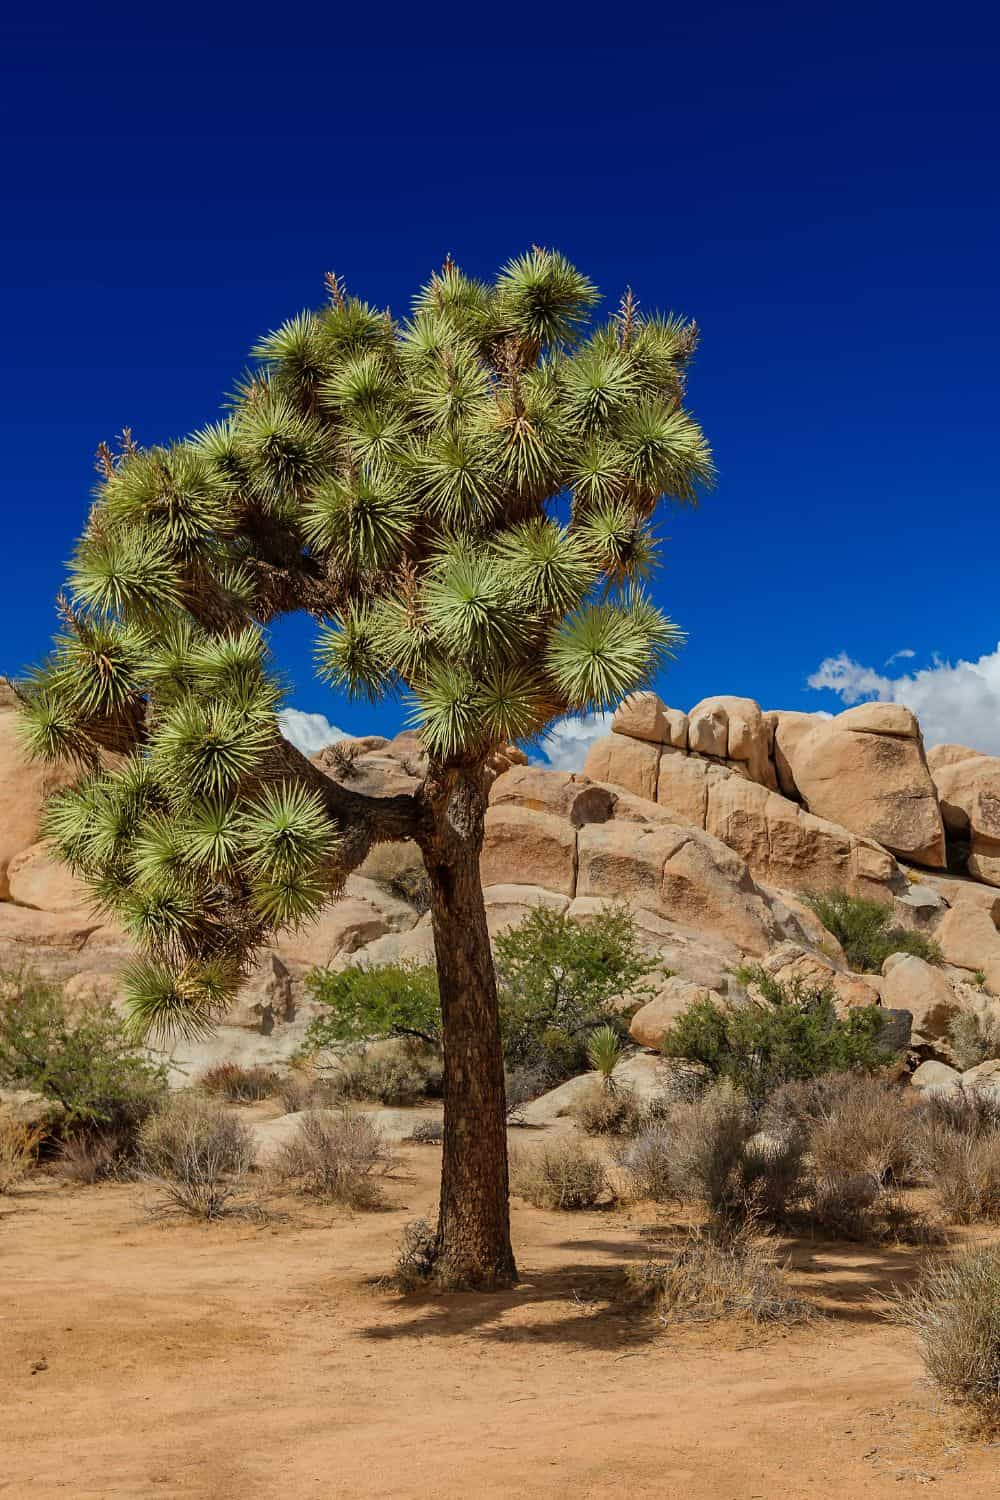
x=968 y=788
x=709 y=825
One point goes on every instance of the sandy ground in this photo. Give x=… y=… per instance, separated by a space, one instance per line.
x=142 y=1358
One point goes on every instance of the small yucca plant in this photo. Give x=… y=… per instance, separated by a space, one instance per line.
x=605 y=1050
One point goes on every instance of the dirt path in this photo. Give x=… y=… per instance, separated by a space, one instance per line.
x=239 y=1360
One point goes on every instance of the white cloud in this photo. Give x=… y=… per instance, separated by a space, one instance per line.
x=566 y=744
x=308 y=732
x=956 y=702
x=903 y=655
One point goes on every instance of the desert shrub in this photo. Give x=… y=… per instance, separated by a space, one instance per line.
x=338 y=1157
x=399 y=870
x=192 y=1134
x=197 y=1155
x=558 y=982
x=600 y=1110
x=974 y=1038
x=240 y=1085
x=560 y=1174
x=787 y=1031
x=734 y=1275
x=708 y=1150
x=954 y=1310
x=417 y=1259
x=866 y=932
x=19 y=1145
x=384 y=1000
x=523 y=1083
x=392 y=1079
x=84 y=1062
x=855 y=1124
x=958 y=1152
x=96 y=1154
x=427 y=1133
x=858 y=1137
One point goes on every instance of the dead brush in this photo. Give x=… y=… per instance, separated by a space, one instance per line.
x=240 y=1085
x=960 y=1161
x=19 y=1145
x=565 y=1174
x=716 y=1275
x=954 y=1311
x=340 y=1158
x=96 y=1155
x=197 y=1156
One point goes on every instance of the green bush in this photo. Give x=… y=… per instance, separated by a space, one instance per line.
x=866 y=932
x=83 y=1062
x=559 y=980
x=791 y=1031
x=386 y=1000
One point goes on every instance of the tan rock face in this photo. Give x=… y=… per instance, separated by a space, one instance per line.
x=873 y=781
x=633 y=764
x=968 y=786
x=926 y=993
x=740 y=729
x=565 y=793
x=657 y=1015
x=526 y=847
x=34 y=878
x=24 y=789
x=789 y=729
x=969 y=939
x=642 y=716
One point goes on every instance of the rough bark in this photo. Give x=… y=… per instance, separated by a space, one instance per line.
x=473 y=1235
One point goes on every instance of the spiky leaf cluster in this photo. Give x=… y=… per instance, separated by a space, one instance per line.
x=462 y=498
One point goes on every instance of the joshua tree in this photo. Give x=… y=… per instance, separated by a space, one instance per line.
x=463 y=501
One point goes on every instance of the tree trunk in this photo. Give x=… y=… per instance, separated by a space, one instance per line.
x=473 y=1234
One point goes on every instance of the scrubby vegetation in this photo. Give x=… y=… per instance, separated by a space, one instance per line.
x=957 y=1150
x=385 y=1000
x=712 y=1276
x=240 y=1085
x=564 y=1173
x=339 y=1158
x=18 y=1151
x=954 y=1310
x=783 y=1031
x=866 y=931
x=197 y=1154
x=83 y=1062
x=974 y=1037
x=560 y=980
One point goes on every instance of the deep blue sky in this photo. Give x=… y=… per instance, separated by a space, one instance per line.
x=816 y=184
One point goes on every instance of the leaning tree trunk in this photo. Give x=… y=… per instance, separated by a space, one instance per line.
x=473 y=1235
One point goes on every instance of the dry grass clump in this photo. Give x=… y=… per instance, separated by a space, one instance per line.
x=427 y=1133
x=19 y=1145
x=713 y=1276
x=240 y=1085
x=98 y=1154
x=337 y=1157
x=417 y=1259
x=957 y=1142
x=974 y=1037
x=198 y=1156
x=830 y=1151
x=954 y=1310
x=564 y=1174
x=709 y=1150
x=608 y=1108
x=395 y=1078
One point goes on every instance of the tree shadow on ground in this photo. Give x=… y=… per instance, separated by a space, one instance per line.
x=583 y=1304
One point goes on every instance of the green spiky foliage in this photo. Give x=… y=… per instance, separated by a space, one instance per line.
x=463 y=501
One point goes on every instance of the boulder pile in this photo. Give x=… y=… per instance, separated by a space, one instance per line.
x=711 y=825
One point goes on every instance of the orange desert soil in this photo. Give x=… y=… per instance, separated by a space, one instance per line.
x=260 y=1361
